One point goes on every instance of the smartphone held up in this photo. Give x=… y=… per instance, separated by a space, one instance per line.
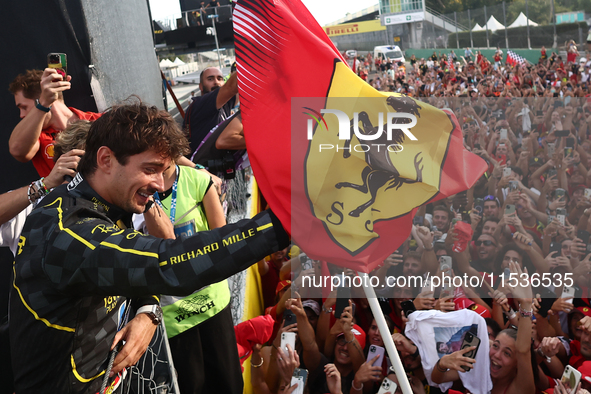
x=59 y=62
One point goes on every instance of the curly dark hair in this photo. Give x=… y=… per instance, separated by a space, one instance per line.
x=525 y=260
x=130 y=129
x=30 y=84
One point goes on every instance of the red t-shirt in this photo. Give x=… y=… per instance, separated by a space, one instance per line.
x=43 y=159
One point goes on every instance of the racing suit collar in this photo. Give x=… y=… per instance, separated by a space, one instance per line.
x=79 y=187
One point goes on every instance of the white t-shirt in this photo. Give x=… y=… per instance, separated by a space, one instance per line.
x=437 y=333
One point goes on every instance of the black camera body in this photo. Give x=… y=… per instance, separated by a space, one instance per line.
x=226 y=166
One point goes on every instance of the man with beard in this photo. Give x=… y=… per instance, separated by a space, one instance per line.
x=486 y=250
x=213 y=106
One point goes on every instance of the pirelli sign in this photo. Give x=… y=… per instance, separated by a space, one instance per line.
x=354 y=28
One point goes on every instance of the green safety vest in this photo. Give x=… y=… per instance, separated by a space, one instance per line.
x=183 y=313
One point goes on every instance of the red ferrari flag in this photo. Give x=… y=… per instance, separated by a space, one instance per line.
x=342 y=165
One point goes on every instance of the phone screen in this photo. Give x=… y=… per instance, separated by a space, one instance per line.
x=343 y=295
x=556 y=247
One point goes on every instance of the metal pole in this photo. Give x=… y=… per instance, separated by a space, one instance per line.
x=456 y=22
x=486 y=28
x=527 y=20
x=215 y=35
x=445 y=31
x=505 y=23
x=385 y=334
x=470 y=28
x=555 y=41
x=433 y=30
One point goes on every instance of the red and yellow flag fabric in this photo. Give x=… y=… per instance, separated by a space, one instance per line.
x=342 y=165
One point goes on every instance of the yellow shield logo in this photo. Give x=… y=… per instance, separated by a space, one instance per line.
x=373 y=175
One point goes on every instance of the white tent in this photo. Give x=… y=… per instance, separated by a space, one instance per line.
x=493 y=24
x=522 y=21
x=178 y=61
x=165 y=63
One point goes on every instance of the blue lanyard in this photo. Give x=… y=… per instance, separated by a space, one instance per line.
x=172 y=197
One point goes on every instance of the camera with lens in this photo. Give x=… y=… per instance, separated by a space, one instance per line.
x=226 y=165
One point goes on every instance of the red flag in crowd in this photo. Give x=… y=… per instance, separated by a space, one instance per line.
x=450 y=62
x=510 y=61
x=341 y=202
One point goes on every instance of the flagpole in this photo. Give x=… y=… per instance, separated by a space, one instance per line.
x=378 y=315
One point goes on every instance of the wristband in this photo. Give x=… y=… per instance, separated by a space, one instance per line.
x=325 y=310
x=440 y=368
x=41 y=107
x=541 y=353
x=511 y=314
x=36 y=190
x=525 y=313
x=355 y=388
x=43 y=187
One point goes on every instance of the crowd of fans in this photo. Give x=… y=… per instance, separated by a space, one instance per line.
x=529 y=214
x=474 y=75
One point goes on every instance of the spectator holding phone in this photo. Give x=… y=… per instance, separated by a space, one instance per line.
x=39 y=97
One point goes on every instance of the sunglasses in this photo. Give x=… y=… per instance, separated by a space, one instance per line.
x=485 y=243
x=490 y=197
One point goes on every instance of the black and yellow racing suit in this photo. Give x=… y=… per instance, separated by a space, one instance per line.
x=75 y=268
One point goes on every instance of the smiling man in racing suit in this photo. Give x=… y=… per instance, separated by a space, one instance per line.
x=77 y=264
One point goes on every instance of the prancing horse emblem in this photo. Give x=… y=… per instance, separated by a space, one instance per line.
x=379 y=170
